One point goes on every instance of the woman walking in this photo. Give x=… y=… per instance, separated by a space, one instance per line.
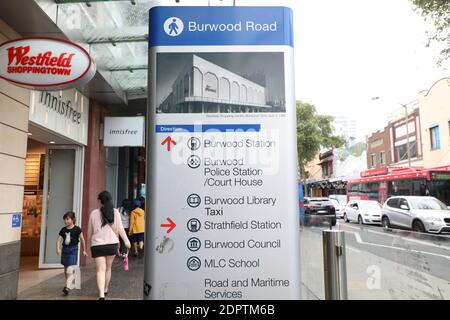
x=105 y=226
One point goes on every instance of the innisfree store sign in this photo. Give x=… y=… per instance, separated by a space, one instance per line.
x=63 y=112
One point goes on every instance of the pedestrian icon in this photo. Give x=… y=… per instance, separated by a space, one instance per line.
x=194 y=162
x=194 y=143
x=194 y=225
x=194 y=200
x=173 y=26
x=194 y=263
x=194 y=244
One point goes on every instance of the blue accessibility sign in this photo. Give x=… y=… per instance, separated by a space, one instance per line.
x=226 y=26
x=16 y=220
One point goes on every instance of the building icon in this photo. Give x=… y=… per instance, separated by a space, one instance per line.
x=194 y=244
x=194 y=263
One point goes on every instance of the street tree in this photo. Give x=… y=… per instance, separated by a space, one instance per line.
x=437 y=12
x=314 y=131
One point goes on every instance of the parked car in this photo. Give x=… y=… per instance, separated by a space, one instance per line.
x=363 y=212
x=339 y=201
x=341 y=198
x=421 y=214
x=319 y=210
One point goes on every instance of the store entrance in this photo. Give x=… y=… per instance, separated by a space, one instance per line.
x=52 y=187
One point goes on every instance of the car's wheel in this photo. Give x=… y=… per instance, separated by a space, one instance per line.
x=360 y=220
x=418 y=226
x=346 y=218
x=386 y=223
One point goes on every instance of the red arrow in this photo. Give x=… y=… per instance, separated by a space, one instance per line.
x=169 y=141
x=171 y=225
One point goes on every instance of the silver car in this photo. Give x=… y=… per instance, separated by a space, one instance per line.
x=421 y=214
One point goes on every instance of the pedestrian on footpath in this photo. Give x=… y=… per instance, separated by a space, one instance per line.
x=125 y=212
x=105 y=226
x=67 y=246
x=137 y=229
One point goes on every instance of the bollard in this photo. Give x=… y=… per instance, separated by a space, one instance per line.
x=334 y=265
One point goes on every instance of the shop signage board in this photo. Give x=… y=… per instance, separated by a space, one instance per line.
x=45 y=63
x=65 y=113
x=124 y=132
x=223 y=193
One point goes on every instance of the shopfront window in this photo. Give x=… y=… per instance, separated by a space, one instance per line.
x=440 y=186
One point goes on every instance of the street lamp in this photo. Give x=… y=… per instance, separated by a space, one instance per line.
x=408 y=146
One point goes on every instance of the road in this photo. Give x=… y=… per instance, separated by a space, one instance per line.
x=410 y=265
x=424 y=252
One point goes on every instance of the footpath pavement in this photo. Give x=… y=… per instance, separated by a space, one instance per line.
x=124 y=285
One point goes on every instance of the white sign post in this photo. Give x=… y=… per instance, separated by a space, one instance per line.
x=222 y=213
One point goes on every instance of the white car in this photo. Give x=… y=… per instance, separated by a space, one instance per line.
x=339 y=208
x=363 y=212
x=421 y=214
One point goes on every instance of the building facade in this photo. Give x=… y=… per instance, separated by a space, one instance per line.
x=14 y=110
x=379 y=153
x=51 y=164
x=333 y=168
x=204 y=87
x=402 y=135
x=435 y=120
x=389 y=147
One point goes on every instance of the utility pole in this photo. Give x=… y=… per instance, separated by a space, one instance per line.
x=407 y=133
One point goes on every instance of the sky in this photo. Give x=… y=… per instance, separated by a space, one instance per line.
x=349 y=51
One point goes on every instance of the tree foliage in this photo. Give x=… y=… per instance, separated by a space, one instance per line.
x=438 y=12
x=314 y=131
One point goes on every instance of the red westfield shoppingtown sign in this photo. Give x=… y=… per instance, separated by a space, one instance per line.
x=45 y=63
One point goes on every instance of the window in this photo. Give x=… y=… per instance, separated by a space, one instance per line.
x=354 y=188
x=373 y=160
x=382 y=159
x=402 y=151
x=435 y=136
x=393 y=203
x=325 y=169
x=403 y=204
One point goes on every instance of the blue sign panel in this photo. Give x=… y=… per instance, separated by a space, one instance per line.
x=226 y=26
x=209 y=128
x=16 y=220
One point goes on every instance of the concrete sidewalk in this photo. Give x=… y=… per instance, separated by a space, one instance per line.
x=124 y=285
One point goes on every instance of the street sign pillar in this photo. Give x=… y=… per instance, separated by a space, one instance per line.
x=222 y=197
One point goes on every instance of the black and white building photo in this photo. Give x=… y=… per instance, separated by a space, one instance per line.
x=220 y=83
